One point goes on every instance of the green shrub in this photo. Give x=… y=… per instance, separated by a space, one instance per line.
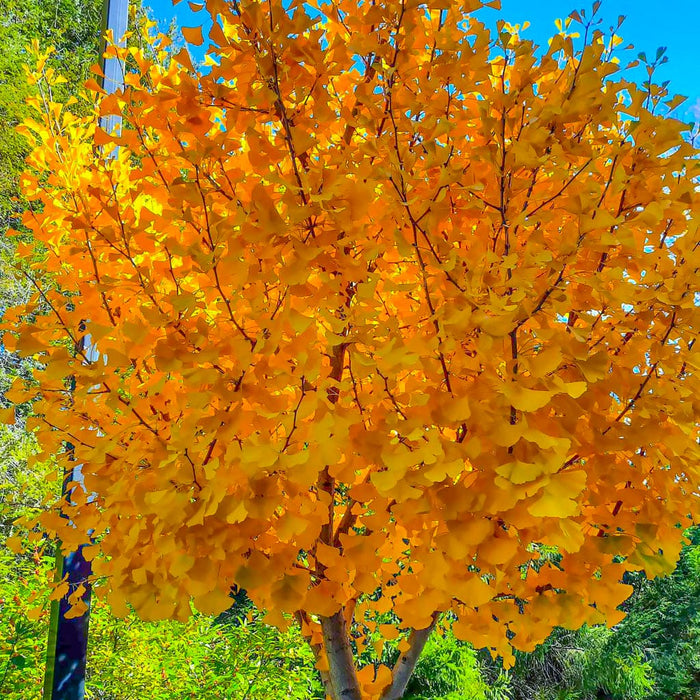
x=199 y=659
x=447 y=670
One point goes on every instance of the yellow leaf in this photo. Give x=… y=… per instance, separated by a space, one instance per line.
x=213 y=603
x=523 y=399
x=34 y=613
x=77 y=609
x=573 y=536
x=232 y=509
x=498 y=551
x=545 y=361
x=193 y=35
x=322 y=662
x=388 y=631
x=299 y=322
x=320 y=601
x=289 y=592
x=573 y=389
x=506 y=435
x=472 y=591
x=29 y=344
x=383 y=679
x=520 y=472
x=183 y=58
x=557 y=499
x=328 y=556
x=403 y=645
x=181 y=564
x=14 y=544
x=456 y=409
x=596 y=367
x=154 y=608
x=546 y=442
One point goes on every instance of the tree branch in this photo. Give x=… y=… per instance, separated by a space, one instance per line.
x=403 y=668
x=342 y=668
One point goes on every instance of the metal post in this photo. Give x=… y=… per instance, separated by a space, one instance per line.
x=66 y=653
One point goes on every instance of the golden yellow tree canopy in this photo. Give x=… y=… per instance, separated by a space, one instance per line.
x=380 y=311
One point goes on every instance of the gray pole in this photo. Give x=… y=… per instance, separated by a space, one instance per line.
x=66 y=653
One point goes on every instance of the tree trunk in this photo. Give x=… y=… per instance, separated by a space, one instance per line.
x=342 y=673
x=403 y=670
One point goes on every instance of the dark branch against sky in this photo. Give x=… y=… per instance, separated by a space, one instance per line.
x=648 y=25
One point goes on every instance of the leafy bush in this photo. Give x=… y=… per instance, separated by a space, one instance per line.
x=447 y=670
x=663 y=624
x=22 y=632
x=577 y=665
x=130 y=659
x=198 y=659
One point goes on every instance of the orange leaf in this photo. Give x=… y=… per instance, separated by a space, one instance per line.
x=193 y=35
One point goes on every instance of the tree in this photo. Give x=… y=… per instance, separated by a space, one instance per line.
x=73 y=28
x=385 y=313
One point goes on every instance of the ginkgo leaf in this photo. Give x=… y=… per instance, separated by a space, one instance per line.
x=545 y=361
x=473 y=591
x=595 y=367
x=77 y=609
x=183 y=58
x=523 y=399
x=520 y=472
x=213 y=603
x=558 y=496
x=289 y=592
x=498 y=551
x=14 y=544
x=506 y=435
x=182 y=564
x=319 y=601
x=573 y=389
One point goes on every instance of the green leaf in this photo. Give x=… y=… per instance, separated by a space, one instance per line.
x=18 y=661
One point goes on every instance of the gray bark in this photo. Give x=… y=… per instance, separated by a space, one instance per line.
x=403 y=670
x=342 y=673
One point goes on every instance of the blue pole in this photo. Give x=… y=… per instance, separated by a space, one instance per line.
x=66 y=654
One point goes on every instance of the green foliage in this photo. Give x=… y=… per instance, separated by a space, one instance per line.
x=197 y=659
x=237 y=657
x=23 y=587
x=594 y=668
x=448 y=670
x=579 y=665
x=663 y=625
x=73 y=28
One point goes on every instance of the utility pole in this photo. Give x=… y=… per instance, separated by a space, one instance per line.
x=66 y=653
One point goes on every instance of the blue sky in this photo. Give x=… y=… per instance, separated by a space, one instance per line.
x=648 y=25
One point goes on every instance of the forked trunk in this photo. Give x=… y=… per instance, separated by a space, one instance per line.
x=342 y=675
